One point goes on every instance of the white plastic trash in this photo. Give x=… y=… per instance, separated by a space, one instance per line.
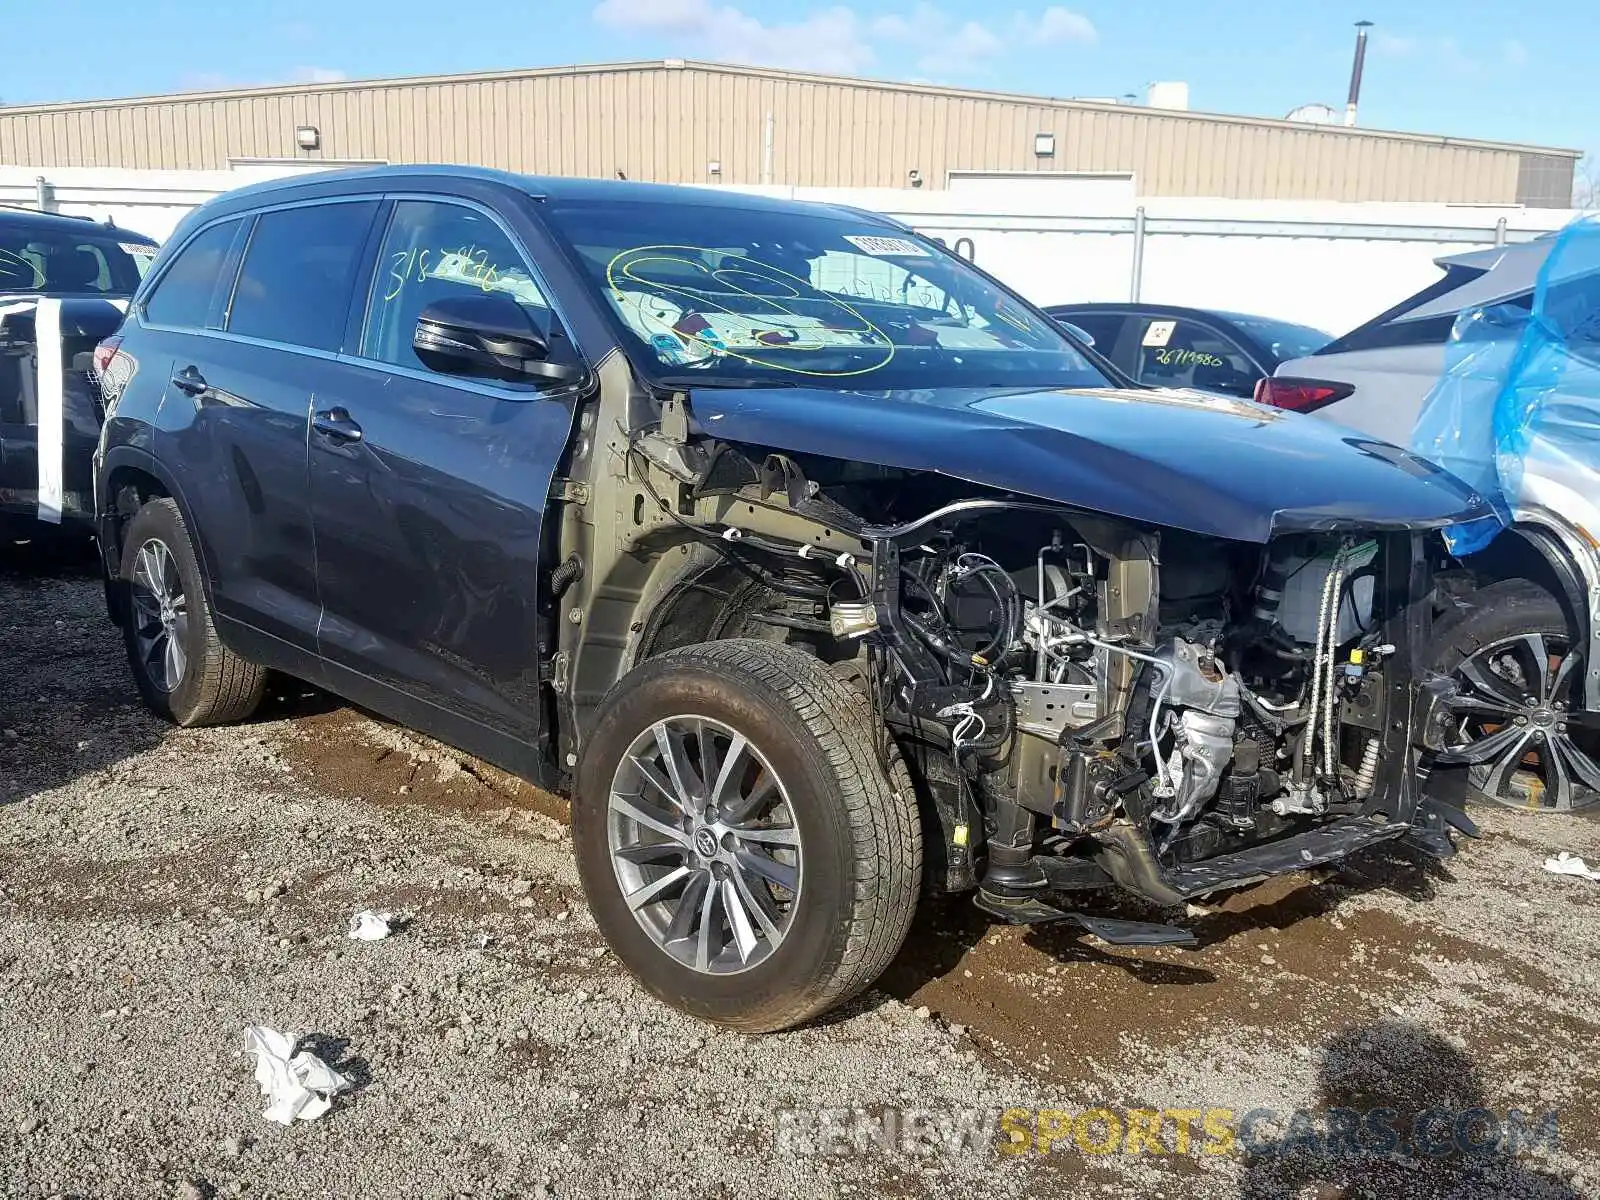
x=298 y=1086
x=1568 y=863
x=369 y=926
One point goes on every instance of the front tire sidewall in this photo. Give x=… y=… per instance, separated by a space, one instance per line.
x=814 y=944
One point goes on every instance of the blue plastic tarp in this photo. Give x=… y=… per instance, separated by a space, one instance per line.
x=1520 y=392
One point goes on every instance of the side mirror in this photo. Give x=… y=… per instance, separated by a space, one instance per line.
x=1078 y=332
x=488 y=336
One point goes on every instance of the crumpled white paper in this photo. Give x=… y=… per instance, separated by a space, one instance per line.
x=369 y=926
x=1568 y=863
x=298 y=1085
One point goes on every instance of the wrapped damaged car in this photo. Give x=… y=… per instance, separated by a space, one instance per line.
x=817 y=567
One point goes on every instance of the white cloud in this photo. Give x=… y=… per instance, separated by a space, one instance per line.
x=317 y=75
x=942 y=44
x=1058 y=24
x=837 y=38
x=831 y=39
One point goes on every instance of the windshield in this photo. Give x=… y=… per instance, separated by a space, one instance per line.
x=723 y=294
x=57 y=261
x=1283 y=339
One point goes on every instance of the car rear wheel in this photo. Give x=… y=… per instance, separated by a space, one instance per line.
x=743 y=848
x=183 y=671
x=1519 y=718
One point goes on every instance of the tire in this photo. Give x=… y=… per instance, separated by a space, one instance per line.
x=183 y=671
x=810 y=753
x=1509 y=647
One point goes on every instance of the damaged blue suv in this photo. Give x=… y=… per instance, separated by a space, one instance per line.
x=815 y=565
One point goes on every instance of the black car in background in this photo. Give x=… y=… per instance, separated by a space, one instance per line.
x=67 y=279
x=1165 y=345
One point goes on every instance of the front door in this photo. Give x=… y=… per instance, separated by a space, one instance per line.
x=428 y=493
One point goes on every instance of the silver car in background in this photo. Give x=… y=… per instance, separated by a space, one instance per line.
x=1518 y=626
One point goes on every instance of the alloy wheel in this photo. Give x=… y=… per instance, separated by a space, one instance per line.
x=160 y=615
x=1521 y=726
x=704 y=844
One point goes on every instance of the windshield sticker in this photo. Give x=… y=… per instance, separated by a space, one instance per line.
x=752 y=311
x=1159 y=333
x=886 y=247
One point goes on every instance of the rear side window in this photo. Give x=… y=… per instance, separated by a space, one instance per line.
x=299 y=268
x=1179 y=353
x=1387 y=330
x=184 y=293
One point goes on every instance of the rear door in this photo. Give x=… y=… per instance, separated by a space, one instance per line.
x=236 y=412
x=428 y=491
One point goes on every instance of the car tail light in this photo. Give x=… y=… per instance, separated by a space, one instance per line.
x=104 y=353
x=1300 y=395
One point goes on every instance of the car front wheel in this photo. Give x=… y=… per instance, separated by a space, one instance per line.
x=743 y=847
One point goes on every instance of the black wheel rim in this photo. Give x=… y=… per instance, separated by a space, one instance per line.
x=160 y=616
x=1520 y=723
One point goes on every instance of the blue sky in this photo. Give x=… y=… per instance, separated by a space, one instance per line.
x=1437 y=66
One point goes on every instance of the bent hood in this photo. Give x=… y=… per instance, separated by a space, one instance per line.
x=1213 y=465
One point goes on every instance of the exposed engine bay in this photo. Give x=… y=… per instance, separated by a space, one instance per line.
x=1213 y=696
x=1089 y=701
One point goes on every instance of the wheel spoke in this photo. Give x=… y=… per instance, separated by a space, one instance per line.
x=1557 y=783
x=1505 y=763
x=1490 y=747
x=678 y=772
x=155 y=655
x=732 y=767
x=1581 y=765
x=655 y=779
x=1563 y=677
x=646 y=853
x=708 y=921
x=759 y=904
x=768 y=868
x=776 y=835
x=636 y=810
x=706 y=743
x=175 y=662
x=1539 y=679
x=744 y=937
x=683 y=917
x=657 y=889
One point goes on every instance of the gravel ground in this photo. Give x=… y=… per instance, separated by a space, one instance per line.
x=162 y=889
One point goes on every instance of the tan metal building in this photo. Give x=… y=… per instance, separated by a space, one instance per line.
x=689 y=122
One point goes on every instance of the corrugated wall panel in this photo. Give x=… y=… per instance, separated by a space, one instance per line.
x=669 y=122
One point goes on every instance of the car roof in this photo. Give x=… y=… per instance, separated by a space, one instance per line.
x=545 y=187
x=27 y=220
x=1489 y=277
x=1159 y=310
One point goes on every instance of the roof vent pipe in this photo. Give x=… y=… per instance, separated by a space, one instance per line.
x=1355 y=72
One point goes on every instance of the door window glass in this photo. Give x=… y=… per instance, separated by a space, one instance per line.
x=298 y=272
x=184 y=293
x=434 y=250
x=1179 y=353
